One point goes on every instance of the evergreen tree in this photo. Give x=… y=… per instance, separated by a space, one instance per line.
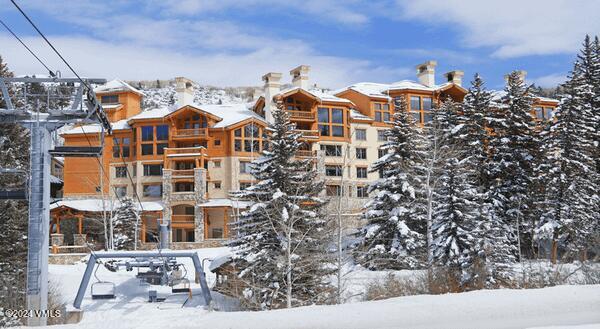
x=454 y=246
x=123 y=224
x=510 y=168
x=394 y=236
x=570 y=212
x=14 y=153
x=281 y=240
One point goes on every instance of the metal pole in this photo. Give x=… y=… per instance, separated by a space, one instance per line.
x=39 y=213
x=85 y=281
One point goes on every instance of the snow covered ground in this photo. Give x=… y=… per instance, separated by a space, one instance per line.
x=555 y=307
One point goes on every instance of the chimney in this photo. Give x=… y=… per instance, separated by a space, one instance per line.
x=300 y=76
x=455 y=77
x=184 y=90
x=426 y=73
x=521 y=73
x=272 y=87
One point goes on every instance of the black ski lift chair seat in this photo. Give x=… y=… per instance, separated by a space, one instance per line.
x=182 y=286
x=103 y=290
x=77 y=151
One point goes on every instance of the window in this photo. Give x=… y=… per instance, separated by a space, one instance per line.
x=245 y=185
x=120 y=191
x=381 y=135
x=217 y=164
x=147 y=133
x=332 y=150
x=361 y=172
x=125 y=147
x=245 y=167
x=147 y=149
x=331 y=121
x=116 y=148
x=184 y=187
x=333 y=190
x=361 y=134
x=249 y=138
x=121 y=172
x=332 y=170
x=162 y=133
x=153 y=170
x=152 y=191
x=548 y=113
x=362 y=191
x=121 y=147
x=217 y=185
x=217 y=142
x=382 y=112
x=420 y=107
x=109 y=99
x=381 y=153
x=160 y=148
x=361 y=153
x=134 y=171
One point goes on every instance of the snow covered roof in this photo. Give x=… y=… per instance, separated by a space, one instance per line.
x=225 y=203
x=408 y=84
x=230 y=113
x=498 y=94
x=317 y=93
x=116 y=85
x=219 y=261
x=95 y=205
x=55 y=180
x=157 y=113
x=381 y=90
x=96 y=128
x=354 y=114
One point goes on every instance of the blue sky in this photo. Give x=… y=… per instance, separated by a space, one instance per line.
x=234 y=42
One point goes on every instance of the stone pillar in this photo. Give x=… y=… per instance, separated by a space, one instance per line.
x=57 y=239
x=199 y=193
x=79 y=239
x=166 y=199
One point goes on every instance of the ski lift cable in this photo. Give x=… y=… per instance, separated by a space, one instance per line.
x=89 y=87
x=52 y=74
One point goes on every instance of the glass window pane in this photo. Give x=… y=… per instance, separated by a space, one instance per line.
x=415 y=103
x=427 y=103
x=323 y=114
x=125 y=151
x=162 y=132
x=324 y=130
x=152 y=191
x=386 y=107
x=361 y=134
x=416 y=116
x=386 y=116
x=147 y=149
x=337 y=131
x=427 y=117
x=247 y=145
x=160 y=148
x=125 y=141
x=250 y=131
x=539 y=113
x=147 y=133
x=238 y=145
x=548 y=112
x=337 y=116
x=377 y=106
x=378 y=117
x=116 y=151
x=238 y=132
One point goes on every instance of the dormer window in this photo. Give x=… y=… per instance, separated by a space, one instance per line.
x=110 y=99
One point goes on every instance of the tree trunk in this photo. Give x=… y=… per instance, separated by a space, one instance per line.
x=289 y=269
x=554 y=251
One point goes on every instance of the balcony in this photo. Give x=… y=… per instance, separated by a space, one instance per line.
x=308 y=134
x=173 y=154
x=194 y=133
x=301 y=115
x=187 y=173
x=306 y=154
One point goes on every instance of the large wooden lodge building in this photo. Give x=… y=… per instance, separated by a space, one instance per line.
x=183 y=161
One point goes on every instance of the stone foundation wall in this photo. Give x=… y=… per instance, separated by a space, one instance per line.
x=66 y=259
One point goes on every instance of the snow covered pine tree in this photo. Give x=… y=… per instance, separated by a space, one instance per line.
x=14 y=153
x=510 y=169
x=280 y=246
x=570 y=211
x=123 y=223
x=455 y=211
x=394 y=234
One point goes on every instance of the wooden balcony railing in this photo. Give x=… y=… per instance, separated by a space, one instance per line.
x=182 y=218
x=306 y=154
x=194 y=132
x=301 y=114
x=189 y=151
x=183 y=173
x=308 y=133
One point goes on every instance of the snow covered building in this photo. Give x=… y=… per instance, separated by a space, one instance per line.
x=183 y=161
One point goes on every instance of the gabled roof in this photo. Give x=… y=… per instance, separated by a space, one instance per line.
x=194 y=108
x=381 y=90
x=317 y=94
x=371 y=89
x=96 y=128
x=116 y=85
x=497 y=96
x=355 y=115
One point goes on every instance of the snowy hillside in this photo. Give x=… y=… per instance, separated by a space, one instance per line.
x=162 y=93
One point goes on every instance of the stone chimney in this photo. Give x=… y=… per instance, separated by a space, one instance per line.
x=300 y=76
x=184 y=90
x=455 y=77
x=426 y=73
x=522 y=75
x=272 y=87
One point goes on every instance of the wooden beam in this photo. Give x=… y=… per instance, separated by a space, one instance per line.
x=205 y=224
x=225 y=231
x=57 y=221
x=80 y=219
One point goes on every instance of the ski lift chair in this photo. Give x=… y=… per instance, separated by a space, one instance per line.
x=103 y=290
x=183 y=285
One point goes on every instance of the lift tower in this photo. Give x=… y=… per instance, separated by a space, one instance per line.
x=83 y=109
